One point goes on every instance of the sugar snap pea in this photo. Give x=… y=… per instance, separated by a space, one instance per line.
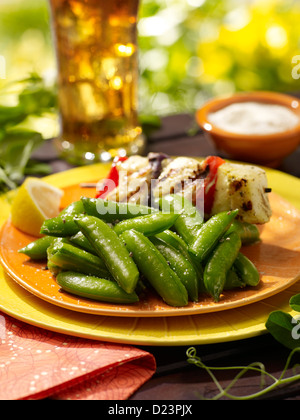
x=111 y=211
x=37 y=250
x=60 y=226
x=248 y=232
x=63 y=225
x=155 y=268
x=94 y=288
x=73 y=209
x=178 y=243
x=149 y=224
x=180 y=265
x=247 y=270
x=190 y=219
x=112 y=250
x=219 y=263
x=210 y=233
x=82 y=242
x=53 y=268
x=233 y=281
x=173 y=239
x=71 y=258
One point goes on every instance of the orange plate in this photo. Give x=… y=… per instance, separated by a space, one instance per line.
x=276 y=257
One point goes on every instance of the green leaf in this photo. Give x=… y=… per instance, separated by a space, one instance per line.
x=16 y=150
x=35 y=100
x=295 y=303
x=4 y=179
x=18 y=157
x=18 y=136
x=16 y=143
x=11 y=115
x=284 y=328
x=34 y=168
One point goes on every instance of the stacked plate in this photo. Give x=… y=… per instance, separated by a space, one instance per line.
x=30 y=293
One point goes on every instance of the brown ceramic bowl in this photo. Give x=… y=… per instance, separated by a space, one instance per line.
x=265 y=149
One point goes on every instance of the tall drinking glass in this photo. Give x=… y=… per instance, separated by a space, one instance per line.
x=97 y=59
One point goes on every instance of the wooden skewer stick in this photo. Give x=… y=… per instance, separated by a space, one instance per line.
x=88 y=185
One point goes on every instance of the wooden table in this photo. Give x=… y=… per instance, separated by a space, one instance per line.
x=175 y=379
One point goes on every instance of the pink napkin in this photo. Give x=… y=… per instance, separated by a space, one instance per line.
x=36 y=363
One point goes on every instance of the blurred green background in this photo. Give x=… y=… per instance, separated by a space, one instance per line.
x=190 y=50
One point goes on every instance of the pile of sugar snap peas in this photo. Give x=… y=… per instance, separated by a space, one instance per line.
x=113 y=252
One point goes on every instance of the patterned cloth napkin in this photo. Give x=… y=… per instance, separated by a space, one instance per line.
x=36 y=364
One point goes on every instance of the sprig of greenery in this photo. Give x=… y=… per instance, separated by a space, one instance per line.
x=242 y=370
x=286 y=330
x=17 y=144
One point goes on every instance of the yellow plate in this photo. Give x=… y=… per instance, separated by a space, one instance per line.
x=274 y=257
x=233 y=324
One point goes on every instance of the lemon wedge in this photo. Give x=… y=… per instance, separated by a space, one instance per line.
x=35 y=202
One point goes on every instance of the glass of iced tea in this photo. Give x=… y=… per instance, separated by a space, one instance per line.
x=97 y=59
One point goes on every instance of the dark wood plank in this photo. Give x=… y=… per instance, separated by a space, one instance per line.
x=186 y=382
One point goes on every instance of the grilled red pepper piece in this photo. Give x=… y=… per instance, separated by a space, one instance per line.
x=112 y=180
x=212 y=163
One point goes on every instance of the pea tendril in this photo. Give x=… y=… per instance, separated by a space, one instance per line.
x=254 y=367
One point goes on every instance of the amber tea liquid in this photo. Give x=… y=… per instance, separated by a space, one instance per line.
x=96 y=45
